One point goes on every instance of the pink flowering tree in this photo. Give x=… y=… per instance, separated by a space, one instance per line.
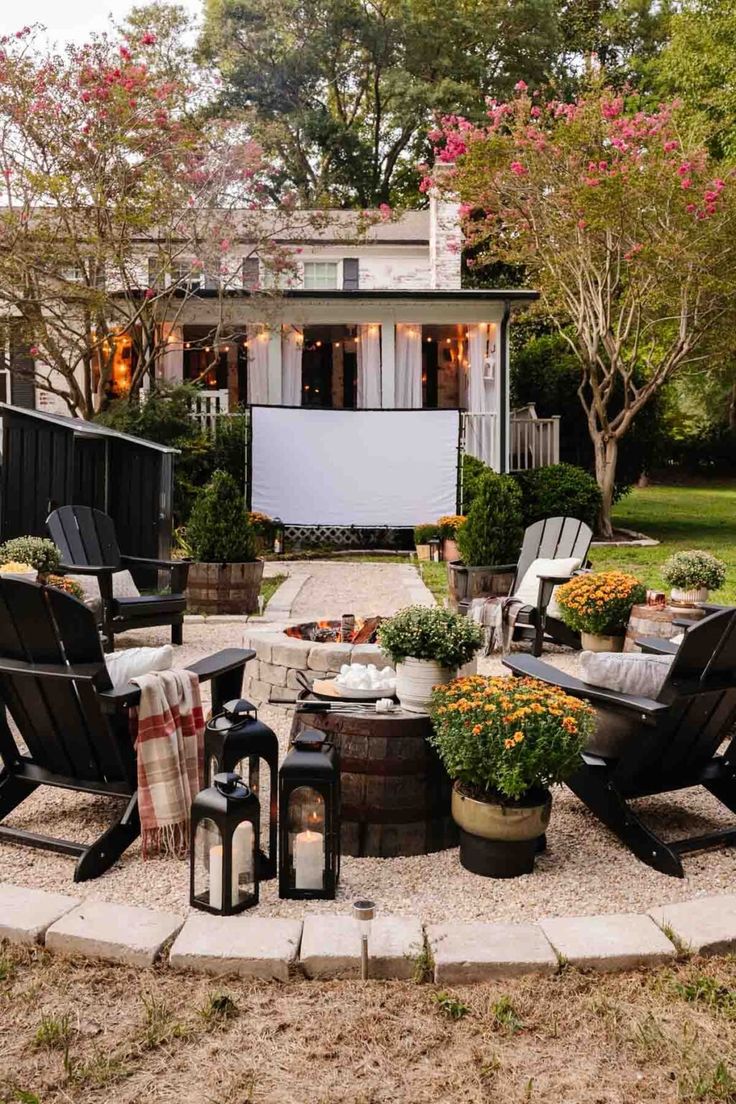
x=626 y=227
x=118 y=199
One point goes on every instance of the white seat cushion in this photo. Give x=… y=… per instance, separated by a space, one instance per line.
x=130 y=662
x=528 y=588
x=636 y=673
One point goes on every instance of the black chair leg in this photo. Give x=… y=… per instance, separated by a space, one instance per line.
x=594 y=788
x=177 y=632
x=13 y=791
x=107 y=849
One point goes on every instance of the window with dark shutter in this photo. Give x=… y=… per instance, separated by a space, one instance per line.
x=350 y=274
x=251 y=273
x=154 y=272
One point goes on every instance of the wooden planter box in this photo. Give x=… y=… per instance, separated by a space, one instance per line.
x=467 y=583
x=224 y=587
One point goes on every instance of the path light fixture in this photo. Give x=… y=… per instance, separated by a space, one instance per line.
x=364 y=912
x=434 y=549
x=224 y=847
x=278 y=536
x=237 y=741
x=309 y=827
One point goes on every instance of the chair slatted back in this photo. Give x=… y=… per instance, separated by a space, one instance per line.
x=58 y=718
x=552 y=539
x=701 y=692
x=85 y=536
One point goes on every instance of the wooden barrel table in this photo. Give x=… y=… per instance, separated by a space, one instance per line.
x=657 y=621
x=395 y=791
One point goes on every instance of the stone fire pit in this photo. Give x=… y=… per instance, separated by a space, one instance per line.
x=281 y=656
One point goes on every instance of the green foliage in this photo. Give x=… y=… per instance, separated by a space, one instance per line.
x=493 y=531
x=217 y=1009
x=40 y=552
x=219 y=530
x=599 y=602
x=450 y=1006
x=690 y=570
x=507 y=738
x=345 y=90
x=424 y=632
x=473 y=470
x=559 y=490
x=506 y=1015
x=705 y=990
x=54 y=1032
x=423 y=534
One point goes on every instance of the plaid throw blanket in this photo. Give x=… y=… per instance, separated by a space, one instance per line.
x=168 y=729
x=498 y=619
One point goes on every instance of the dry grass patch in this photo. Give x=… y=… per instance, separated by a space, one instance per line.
x=79 y=1032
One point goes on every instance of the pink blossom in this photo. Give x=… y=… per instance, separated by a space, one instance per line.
x=34 y=350
x=671 y=145
x=710 y=196
x=582 y=224
x=686 y=182
x=690 y=208
x=149 y=293
x=535 y=112
x=384 y=211
x=148 y=39
x=464 y=209
x=225 y=244
x=684 y=168
x=517 y=168
x=520 y=86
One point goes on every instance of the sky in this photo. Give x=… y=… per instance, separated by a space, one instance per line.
x=70 y=20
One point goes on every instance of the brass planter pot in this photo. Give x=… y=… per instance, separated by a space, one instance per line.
x=499 y=841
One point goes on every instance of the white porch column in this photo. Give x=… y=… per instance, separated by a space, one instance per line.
x=172 y=361
x=275 y=387
x=388 y=365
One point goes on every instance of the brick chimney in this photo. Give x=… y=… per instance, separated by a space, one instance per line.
x=445 y=236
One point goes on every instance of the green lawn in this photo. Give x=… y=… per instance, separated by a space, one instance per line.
x=270 y=586
x=680 y=516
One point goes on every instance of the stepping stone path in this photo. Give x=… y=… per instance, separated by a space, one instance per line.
x=365 y=589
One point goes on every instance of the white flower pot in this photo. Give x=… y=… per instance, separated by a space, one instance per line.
x=688 y=597
x=415 y=679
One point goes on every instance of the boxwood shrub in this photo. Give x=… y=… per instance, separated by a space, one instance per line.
x=559 y=490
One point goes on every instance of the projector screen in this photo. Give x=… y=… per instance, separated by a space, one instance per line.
x=354 y=467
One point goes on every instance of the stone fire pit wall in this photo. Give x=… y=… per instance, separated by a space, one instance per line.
x=279 y=658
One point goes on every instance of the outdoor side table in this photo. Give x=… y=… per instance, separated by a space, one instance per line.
x=657 y=621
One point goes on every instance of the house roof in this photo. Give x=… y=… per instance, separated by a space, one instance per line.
x=467 y=295
x=81 y=428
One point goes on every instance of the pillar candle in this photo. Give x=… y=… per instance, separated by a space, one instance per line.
x=309 y=860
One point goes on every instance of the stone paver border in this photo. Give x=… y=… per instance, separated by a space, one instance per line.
x=327 y=945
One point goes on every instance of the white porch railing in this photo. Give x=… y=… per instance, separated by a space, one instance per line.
x=535 y=442
x=480 y=437
x=208 y=407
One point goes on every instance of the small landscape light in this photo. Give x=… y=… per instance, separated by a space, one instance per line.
x=364 y=912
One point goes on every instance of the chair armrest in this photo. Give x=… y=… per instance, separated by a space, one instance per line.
x=654 y=645
x=87 y=569
x=229 y=662
x=530 y=667
x=547 y=584
x=79 y=672
x=556 y=579
x=145 y=561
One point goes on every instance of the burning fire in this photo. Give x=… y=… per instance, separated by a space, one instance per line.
x=330 y=632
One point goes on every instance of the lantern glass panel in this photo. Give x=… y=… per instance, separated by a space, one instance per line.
x=208 y=869
x=243 y=862
x=307 y=838
x=257 y=774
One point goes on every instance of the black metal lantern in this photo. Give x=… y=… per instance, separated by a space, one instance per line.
x=279 y=535
x=224 y=855
x=309 y=828
x=434 y=549
x=235 y=740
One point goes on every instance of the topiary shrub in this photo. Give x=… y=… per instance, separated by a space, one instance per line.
x=219 y=530
x=473 y=471
x=493 y=531
x=559 y=490
x=423 y=534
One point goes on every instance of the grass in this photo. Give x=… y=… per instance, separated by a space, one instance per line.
x=270 y=586
x=434 y=576
x=680 y=516
x=663 y=1036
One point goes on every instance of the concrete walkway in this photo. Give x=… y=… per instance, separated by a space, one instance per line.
x=328 y=588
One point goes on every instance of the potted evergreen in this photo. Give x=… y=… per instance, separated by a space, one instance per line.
x=427 y=645
x=504 y=742
x=598 y=606
x=488 y=542
x=226 y=575
x=691 y=575
x=423 y=534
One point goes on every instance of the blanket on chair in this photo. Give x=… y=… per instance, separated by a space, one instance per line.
x=168 y=728
x=498 y=618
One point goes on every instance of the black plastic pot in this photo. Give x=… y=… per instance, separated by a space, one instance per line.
x=499 y=858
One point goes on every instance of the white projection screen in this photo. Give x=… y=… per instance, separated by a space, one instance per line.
x=354 y=467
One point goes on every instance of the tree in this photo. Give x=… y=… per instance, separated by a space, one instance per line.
x=107 y=158
x=628 y=229
x=340 y=92
x=623 y=36
x=698 y=64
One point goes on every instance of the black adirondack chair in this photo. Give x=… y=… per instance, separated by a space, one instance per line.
x=89 y=546
x=55 y=686
x=676 y=744
x=551 y=538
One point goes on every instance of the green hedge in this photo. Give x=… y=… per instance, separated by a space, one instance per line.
x=559 y=490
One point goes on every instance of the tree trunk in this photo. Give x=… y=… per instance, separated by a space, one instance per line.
x=606 y=457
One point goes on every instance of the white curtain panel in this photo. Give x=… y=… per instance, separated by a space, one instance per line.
x=408 y=366
x=292 y=341
x=482 y=366
x=369 y=367
x=258 y=342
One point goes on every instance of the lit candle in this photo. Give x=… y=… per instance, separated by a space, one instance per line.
x=309 y=860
